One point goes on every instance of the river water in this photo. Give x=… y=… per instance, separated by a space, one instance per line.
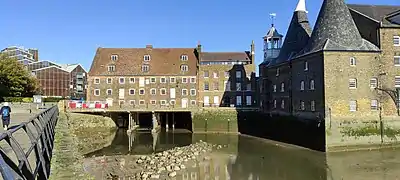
x=247 y=158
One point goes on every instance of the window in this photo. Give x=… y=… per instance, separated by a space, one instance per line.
x=141 y=91
x=131 y=80
x=184 y=67
x=109 y=80
x=184 y=57
x=184 y=92
x=302 y=106
x=353 y=105
x=396 y=40
x=152 y=80
x=227 y=85
x=172 y=102
x=397 y=60
x=163 y=91
x=374 y=104
x=193 y=80
x=373 y=82
x=153 y=91
x=163 y=80
x=172 y=80
x=277 y=72
x=153 y=102
x=312 y=84
x=312 y=106
x=352 y=83
x=282 y=87
x=274 y=87
x=226 y=74
x=274 y=103
x=96 y=80
x=163 y=102
x=193 y=102
x=141 y=102
x=97 y=92
x=131 y=91
x=132 y=102
x=109 y=92
x=305 y=66
x=397 y=81
x=283 y=104
x=146 y=58
x=238 y=100
x=111 y=68
x=302 y=85
x=216 y=86
x=205 y=74
x=122 y=80
x=114 y=57
x=193 y=92
x=145 y=68
x=352 y=61
x=238 y=74
x=238 y=86
x=215 y=74
x=184 y=80
x=206 y=86
x=248 y=87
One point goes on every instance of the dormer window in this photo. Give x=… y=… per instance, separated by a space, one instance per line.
x=145 y=68
x=114 y=57
x=146 y=57
x=184 y=57
x=184 y=68
x=111 y=68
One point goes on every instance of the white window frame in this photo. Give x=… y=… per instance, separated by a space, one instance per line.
x=301 y=85
x=153 y=78
x=147 y=69
x=305 y=66
x=109 y=79
x=134 y=91
x=109 y=94
x=312 y=84
x=96 y=94
x=174 y=102
x=163 y=102
x=119 y=80
x=153 y=100
x=398 y=38
x=184 y=57
x=142 y=102
x=130 y=80
x=353 y=81
x=353 y=61
x=111 y=68
x=184 y=68
x=132 y=102
x=153 y=90
x=193 y=90
x=312 y=105
x=282 y=87
x=161 y=90
x=146 y=57
x=114 y=57
x=353 y=106
x=144 y=91
x=216 y=74
x=95 y=81
x=165 y=80
x=374 y=104
x=274 y=88
x=302 y=106
x=184 y=90
x=396 y=58
x=172 y=79
x=274 y=102
x=193 y=80
x=191 y=102
x=282 y=104
x=373 y=83
x=184 y=80
x=397 y=81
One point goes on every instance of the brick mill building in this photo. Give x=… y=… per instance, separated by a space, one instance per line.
x=169 y=77
x=345 y=68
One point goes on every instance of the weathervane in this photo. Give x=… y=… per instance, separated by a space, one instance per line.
x=273 y=16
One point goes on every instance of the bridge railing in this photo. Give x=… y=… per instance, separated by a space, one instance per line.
x=16 y=160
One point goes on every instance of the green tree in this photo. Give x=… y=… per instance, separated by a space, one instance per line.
x=15 y=80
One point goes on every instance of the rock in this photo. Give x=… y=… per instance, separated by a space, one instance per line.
x=139 y=161
x=152 y=162
x=142 y=157
x=177 y=168
x=196 y=153
x=183 y=166
x=155 y=176
x=172 y=174
x=145 y=175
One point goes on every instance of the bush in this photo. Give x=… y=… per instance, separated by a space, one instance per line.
x=52 y=99
x=18 y=99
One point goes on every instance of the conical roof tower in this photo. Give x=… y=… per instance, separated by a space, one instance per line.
x=298 y=33
x=336 y=30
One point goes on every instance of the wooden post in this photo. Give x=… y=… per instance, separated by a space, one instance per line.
x=173 y=121
x=166 y=121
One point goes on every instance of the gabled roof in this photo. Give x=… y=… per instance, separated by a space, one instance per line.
x=336 y=30
x=49 y=67
x=378 y=13
x=164 y=61
x=69 y=67
x=225 y=56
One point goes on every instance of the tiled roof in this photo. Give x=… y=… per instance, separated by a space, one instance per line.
x=69 y=67
x=164 y=61
x=273 y=33
x=225 y=56
x=336 y=30
x=375 y=12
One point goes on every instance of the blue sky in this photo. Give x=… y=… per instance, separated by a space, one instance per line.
x=70 y=31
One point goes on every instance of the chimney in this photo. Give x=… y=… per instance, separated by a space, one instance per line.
x=252 y=47
x=149 y=46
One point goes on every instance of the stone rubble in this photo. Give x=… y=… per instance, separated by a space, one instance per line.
x=169 y=162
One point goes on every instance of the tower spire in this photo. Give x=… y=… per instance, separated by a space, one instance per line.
x=301 y=6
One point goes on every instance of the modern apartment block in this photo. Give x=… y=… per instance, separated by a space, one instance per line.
x=174 y=77
x=144 y=77
x=23 y=55
x=346 y=67
x=227 y=79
